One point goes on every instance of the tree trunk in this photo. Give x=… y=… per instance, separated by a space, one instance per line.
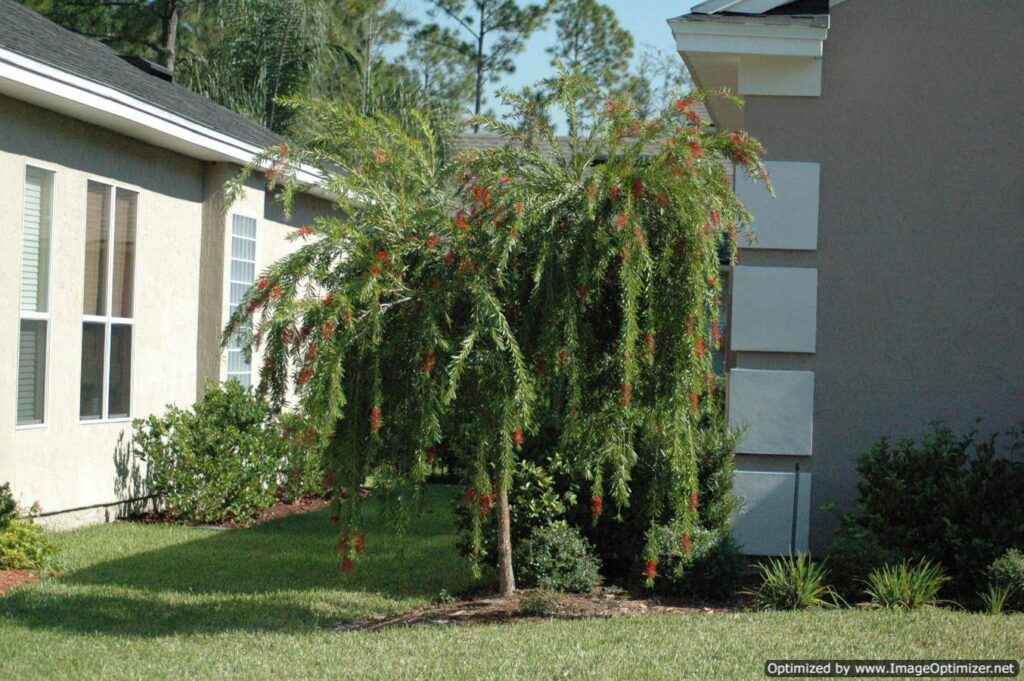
x=480 y=87
x=169 y=34
x=506 y=577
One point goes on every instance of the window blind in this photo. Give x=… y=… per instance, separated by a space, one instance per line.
x=242 y=277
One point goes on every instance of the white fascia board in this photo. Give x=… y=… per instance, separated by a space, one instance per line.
x=720 y=37
x=738 y=6
x=56 y=90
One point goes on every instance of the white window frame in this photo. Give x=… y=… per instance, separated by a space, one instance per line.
x=228 y=374
x=107 y=320
x=32 y=315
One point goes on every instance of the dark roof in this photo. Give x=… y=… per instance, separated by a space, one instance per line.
x=37 y=38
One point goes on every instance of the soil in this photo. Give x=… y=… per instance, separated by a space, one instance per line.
x=281 y=509
x=603 y=604
x=12 y=578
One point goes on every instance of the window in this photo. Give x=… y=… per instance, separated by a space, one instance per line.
x=37 y=218
x=108 y=303
x=243 y=275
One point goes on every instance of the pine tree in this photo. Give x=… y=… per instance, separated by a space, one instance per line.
x=564 y=288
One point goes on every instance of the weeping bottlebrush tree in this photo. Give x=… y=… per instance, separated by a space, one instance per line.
x=566 y=286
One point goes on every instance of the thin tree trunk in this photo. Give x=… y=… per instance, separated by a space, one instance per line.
x=480 y=76
x=506 y=577
x=169 y=34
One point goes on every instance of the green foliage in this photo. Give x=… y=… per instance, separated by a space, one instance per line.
x=557 y=557
x=302 y=458
x=712 y=569
x=497 y=297
x=952 y=499
x=8 y=506
x=996 y=598
x=793 y=584
x=906 y=585
x=216 y=461
x=1007 y=573
x=854 y=554
x=590 y=38
x=539 y=603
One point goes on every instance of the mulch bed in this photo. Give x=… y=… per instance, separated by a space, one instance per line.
x=12 y=578
x=279 y=510
x=603 y=604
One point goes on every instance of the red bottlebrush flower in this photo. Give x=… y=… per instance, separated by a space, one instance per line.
x=284 y=149
x=328 y=329
x=486 y=501
x=592 y=191
x=712 y=281
x=696 y=149
x=329 y=299
x=709 y=381
x=276 y=292
x=342 y=544
x=518 y=437
x=482 y=196
x=429 y=362
x=514 y=234
x=695 y=403
x=687 y=545
x=383 y=256
x=460 y=220
x=360 y=543
x=334 y=520
x=348 y=316
x=432 y=242
x=376 y=420
x=596 y=506
x=694 y=117
x=716 y=217
x=583 y=292
x=380 y=156
x=312 y=352
x=470 y=495
x=542 y=365
x=288 y=335
x=678 y=247
x=627 y=394
x=505 y=180
x=305 y=231
x=330 y=477
x=449 y=258
x=614 y=193
x=716 y=333
x=520 y=208
x=306 y=376
x=694 y=501
x=563 y=357
x=627 y=252
x=263 y=284
x=610 y=107
x=651 y=344
x=691 y=324
x=430 y=457
x=376 y=271
x=346 y=565
x=663 y=201
x=638 y=235
x=651 y=569
x=683 y=104
x=638 y=188
x=700 y=348
x=435 y=284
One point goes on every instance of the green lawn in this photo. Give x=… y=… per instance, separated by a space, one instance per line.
x=169 y=602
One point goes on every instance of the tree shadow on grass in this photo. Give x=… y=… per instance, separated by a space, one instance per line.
x=282 y=575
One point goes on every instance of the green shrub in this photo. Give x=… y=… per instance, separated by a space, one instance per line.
x=906 y=585
x=854 y=554
x=558 y=558
x=996 y=598
x=23 y=544
x=713 y=569
x=539 y=603
x=1007 y=572
x=793 y=584
x=8 y=506
x=952 y=499
x=302 y=464
x=217 y=461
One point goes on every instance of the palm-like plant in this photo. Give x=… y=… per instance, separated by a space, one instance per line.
x=793 y=583
x=906 y=585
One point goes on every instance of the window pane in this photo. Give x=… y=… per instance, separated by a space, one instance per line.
x=35 y=250
x=243 y=274
x=124 y=252
x=119 y=402
x=92 y=371
x=97 y=228
x=31 y=371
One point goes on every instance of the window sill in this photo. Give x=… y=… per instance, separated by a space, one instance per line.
x=89 y=422
x=31 y=426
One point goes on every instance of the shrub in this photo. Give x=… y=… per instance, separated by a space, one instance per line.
x=1007 y=572
x=539 y=603
x=854 y=554
x=906 y=585
x=952 y=499
x=558 y=558
x=302 y=464
x=996 y=598
x=23 y=544
x=793 y=584
x=217 y=461
x=713 y=569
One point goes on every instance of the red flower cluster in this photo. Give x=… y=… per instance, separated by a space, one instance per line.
x=596 y=506
x=662 y=201
x=583 y=292
x=376 y=271
x=429 y=362
x=651 y=569
x=470 y=495
x=430 y=456
x=449 y=258
x=380 y=156
x=716 y=217
x=696 y=149
x=276 y=292
x=694 y=501
x=685 y=104
x=627 y=394
x=678 y=247
x=330 y=477
x=716 y=333
x=383 y=256
x=695 y=403
x=687 y=545
x=329 y=299
x=305 y=231
x=486 y=501
x=460 y=220
x=346 y=565
x=518 y=437
x=312 y=352
x=694 y=117
x=482 y=196
x=651 y=343
x=306 y=376
x=328 y=329
x=432 y=242
x=376 y=420
x=263 y=284
x=712 y=281
x=700 y=348
x=638 y=188
x=563 y=357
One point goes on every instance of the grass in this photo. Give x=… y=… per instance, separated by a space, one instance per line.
x=171 y=602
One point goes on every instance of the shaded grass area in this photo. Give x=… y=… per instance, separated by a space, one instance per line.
x=160 y=602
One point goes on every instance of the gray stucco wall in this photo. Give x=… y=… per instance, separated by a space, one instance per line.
x=921 y=236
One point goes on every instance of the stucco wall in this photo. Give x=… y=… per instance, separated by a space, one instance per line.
x=920 y=311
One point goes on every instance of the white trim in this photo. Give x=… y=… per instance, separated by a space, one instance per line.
x=745 y=6
x=731 y=37
x=51 y=88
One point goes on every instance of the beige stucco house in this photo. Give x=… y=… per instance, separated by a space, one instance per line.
x=885 y=288
x=120 y=265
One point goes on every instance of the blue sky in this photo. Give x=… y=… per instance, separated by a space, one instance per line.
x=645 y=19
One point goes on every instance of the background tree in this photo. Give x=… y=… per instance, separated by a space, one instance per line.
x=494 y=30
x=464 y=307
x=590 y=38
x=656 y=80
